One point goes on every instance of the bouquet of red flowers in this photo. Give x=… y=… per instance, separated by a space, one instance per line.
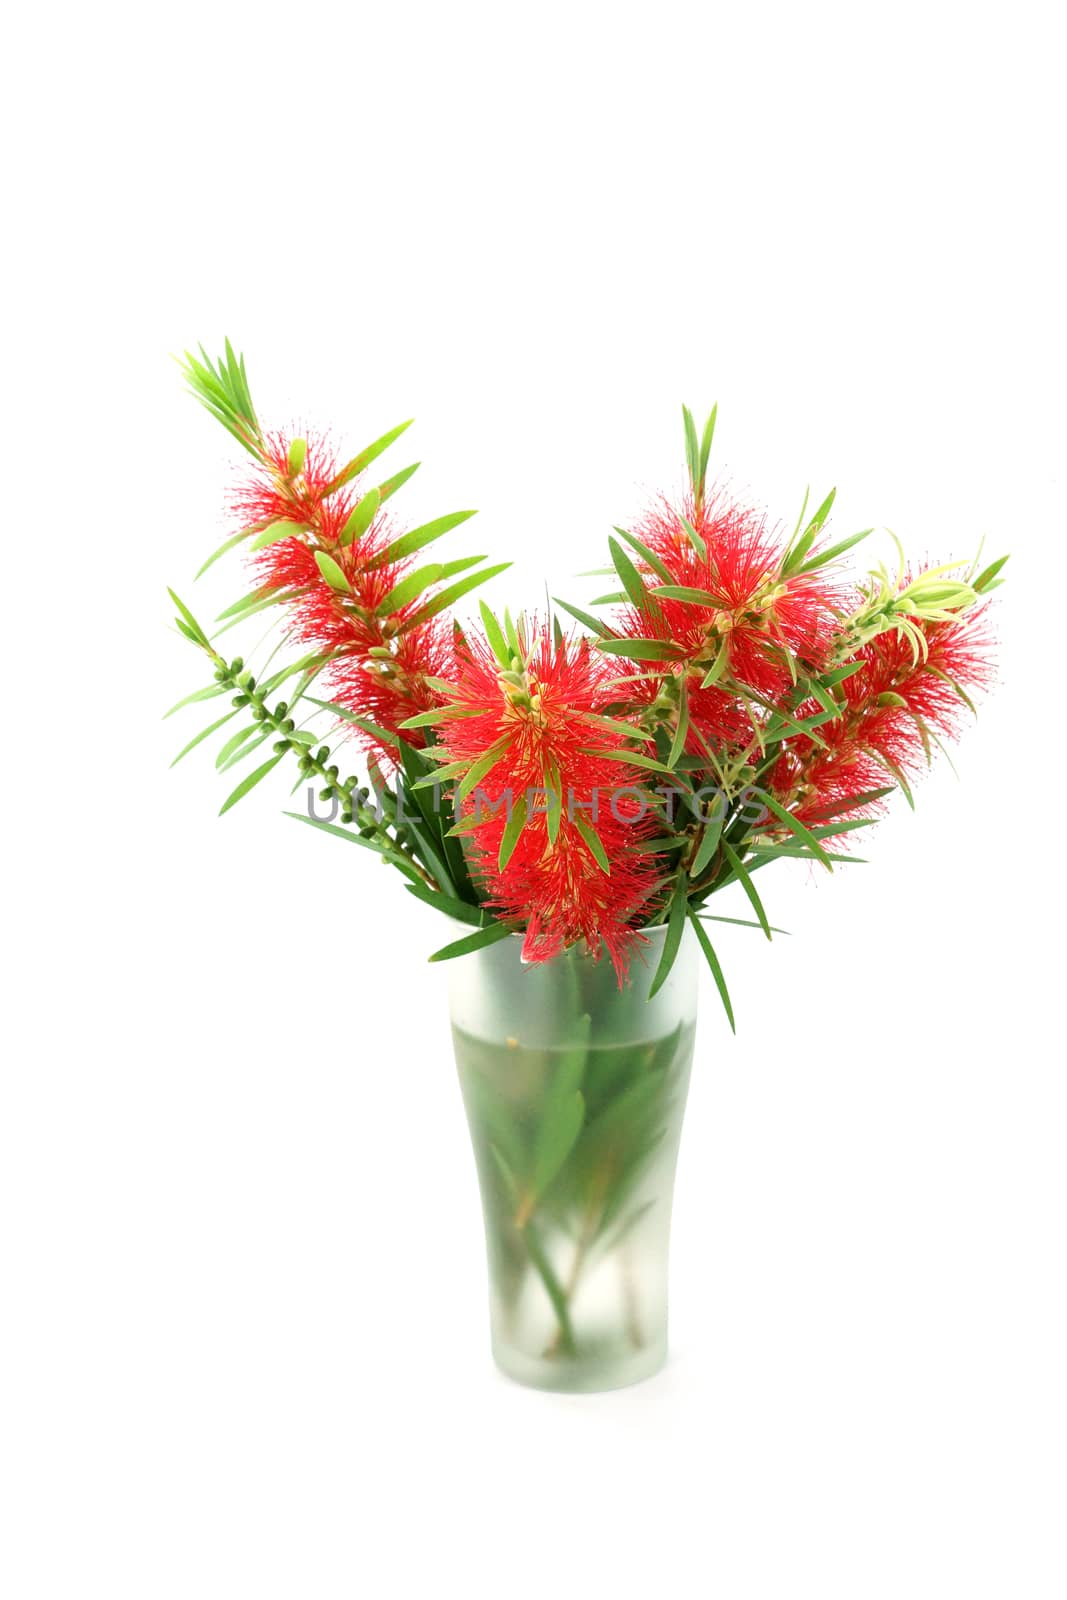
x=574 y=795
x=741 y=699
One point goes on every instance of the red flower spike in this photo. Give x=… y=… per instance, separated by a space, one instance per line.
x=555 y=885
x=755 y=614
x=385 y=690
x=891 y=706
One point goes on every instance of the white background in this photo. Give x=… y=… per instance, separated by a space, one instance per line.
x=243 y=1329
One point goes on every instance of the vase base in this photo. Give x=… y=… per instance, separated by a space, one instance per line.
x=596 y=1374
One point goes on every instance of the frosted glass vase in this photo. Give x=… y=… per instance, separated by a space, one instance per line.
x=575 y=1092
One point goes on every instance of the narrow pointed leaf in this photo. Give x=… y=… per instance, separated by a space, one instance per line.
x=476 y=941
x=228 y=544
x=495 y=634
x=331 y=572
x=512 y=832
x=408 y=543
x=742 y=876
x=361 y=516
x=595 y=843
x=455 y=592
x=409 y=589
x=203 y=734
x=716 y=970
x=274 y=532
x=795 y=826
x=648 y=556
x=249 y=783
x=189 y=619
x=359 y=462
x=675 y=929
x=629 y=576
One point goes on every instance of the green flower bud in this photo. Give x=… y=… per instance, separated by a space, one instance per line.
x=297 y=453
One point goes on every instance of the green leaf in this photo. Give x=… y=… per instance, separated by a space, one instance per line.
x=614 y=725
x=264 y=591
x=716 y=970
x=361 y=516
x=331 y=572
x=675 y=929
x=554 y=794
x=495 y=634
x=512 y=831
x=743 y=878
x=807 y=539
x=482 y=767
x=210 y=693
x=430 y=719
x=556 y=1138
x=343 y=712
x=985 y=579
x=681 y=591
x=692 y=448
x=476 y=941
x=511 y=633
x=796 y=852
x=899 y=774
x=458 y=910
x=397 y=481
x=739 y=922
x=781 y=725
x=189 y=619
x=392 y=856
x=641 y=649
x=586 y=618
x=409 y=588
x=694 y=537
x=867 y=798
x=245 y=750
x=359 y=462
x=709 y=842
x=408 y=543
x=632 y=758
x=823 y=696
x=595 y=843
x=647 y=555
x=682 y=728
x=705 y=443
x=824 y=557
x=228 y=544
x=203 y=734
x=629 y=576
x=285 y=529
x=235 y=742
x=249 y=783
x=455 y=592
x=719 y=665
x=795 y=826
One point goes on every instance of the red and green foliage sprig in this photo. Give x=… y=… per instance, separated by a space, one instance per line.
x=741 y=701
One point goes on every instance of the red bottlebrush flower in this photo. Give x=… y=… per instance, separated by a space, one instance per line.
x=271 y=494
x=891 y=707
x=384 y=688
x=752 y=613
x=541 y=723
